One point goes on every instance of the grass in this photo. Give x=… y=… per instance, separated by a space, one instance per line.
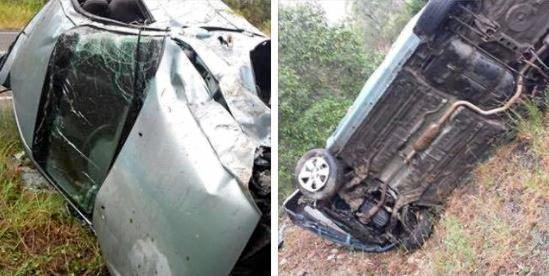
x=38 y=235
x=533 y=127
x=491 y=225
x=14 y=14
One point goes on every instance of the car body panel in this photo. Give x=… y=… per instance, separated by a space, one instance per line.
x=376 y=86
x=435 y=108
x=28 y=71
x=203 y=13
x=157 y=212
x=235 y=79
x=314 y=220
x=5 y=65
x=175 y=200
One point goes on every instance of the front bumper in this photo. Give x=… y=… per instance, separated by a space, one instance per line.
x=312 y=219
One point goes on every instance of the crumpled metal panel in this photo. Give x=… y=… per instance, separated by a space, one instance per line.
x=312 y=219
x=176 y=197
x=158 y=212
x=232 y=68
x=225 y=134
x=251 y=113
x=203 y=13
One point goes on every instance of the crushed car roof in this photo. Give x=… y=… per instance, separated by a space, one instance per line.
x=202 y=13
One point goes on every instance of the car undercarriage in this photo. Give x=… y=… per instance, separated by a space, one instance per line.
x=381 y=183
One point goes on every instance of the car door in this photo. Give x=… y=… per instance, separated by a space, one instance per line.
x=91 y=96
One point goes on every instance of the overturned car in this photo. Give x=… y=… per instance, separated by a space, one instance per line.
x=152 y=118
x=433 y=109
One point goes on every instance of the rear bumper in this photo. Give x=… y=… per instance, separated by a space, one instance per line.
x=312 y=219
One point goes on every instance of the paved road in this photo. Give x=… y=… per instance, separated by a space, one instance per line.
x=6 y=38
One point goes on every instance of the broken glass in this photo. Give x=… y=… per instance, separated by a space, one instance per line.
x=92 y=95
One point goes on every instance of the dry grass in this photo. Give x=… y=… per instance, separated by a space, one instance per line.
x=37 y=234
x=14 y=14
x=498 y=224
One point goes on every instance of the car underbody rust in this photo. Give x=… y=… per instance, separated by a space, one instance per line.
x=433 y=131
x=436 y=107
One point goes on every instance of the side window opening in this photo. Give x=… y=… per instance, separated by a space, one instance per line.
x=125 y=11
x=260 y=58
x=94 y=90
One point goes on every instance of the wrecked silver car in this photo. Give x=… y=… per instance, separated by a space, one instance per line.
x=152 y=118
x=432 y=110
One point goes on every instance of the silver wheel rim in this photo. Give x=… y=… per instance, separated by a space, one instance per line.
x=314 y=174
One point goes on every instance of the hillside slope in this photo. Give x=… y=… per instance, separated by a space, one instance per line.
x=498 y=223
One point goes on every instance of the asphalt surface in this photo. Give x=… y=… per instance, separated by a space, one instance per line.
x=6 y=38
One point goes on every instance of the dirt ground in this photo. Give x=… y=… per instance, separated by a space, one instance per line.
x=498 y=223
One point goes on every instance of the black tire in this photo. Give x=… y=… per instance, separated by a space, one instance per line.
x=334 y=180
x=434 y=14
x=421 y=229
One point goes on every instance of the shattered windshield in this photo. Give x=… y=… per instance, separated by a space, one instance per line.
x=93 y=92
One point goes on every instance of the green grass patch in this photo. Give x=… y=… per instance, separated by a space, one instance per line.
x=38 y=235
x=491 y=229
x=15 y=14
x=534 y=127
x=457 y=252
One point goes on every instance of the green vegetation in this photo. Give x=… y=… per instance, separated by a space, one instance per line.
x=381 y=21
x=531 y=126
x=38 y=234
x=322 y=68
x=14 y=14
x=496 y=225
x=500 y=229
x=258 y=12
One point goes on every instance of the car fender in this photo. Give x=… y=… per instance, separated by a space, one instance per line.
x=169 y=205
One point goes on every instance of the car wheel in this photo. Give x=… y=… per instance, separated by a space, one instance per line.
x=419 y=228
x=318 y=175
x=434 y=14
